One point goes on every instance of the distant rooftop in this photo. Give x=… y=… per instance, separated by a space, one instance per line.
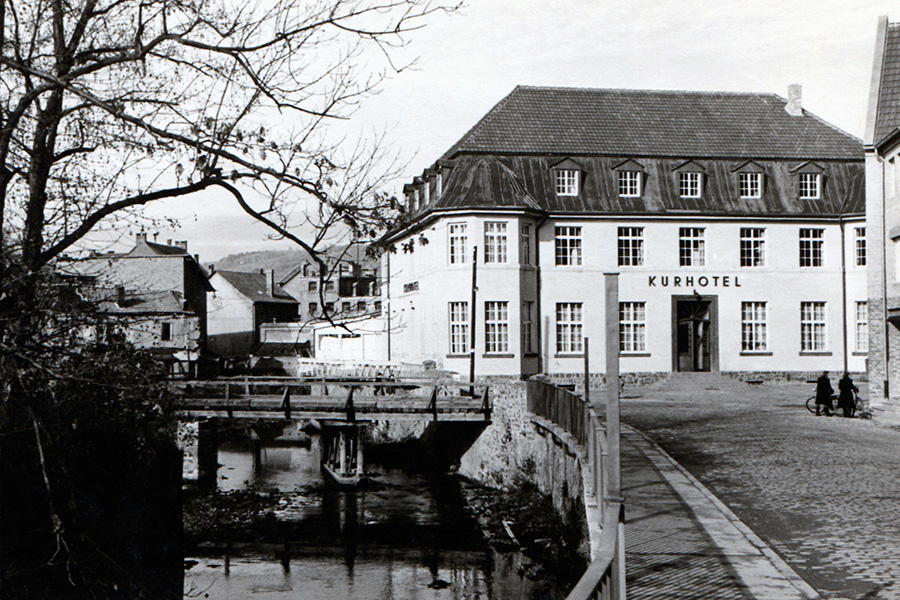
x=255 y=287
x=887 y=119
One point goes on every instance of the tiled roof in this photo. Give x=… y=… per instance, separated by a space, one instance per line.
x=157 y=302
x=253 y=285
x=484 y=182
x=888 y=118
x=576 y=121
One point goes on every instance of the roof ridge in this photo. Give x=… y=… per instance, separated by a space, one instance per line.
x=644 y=90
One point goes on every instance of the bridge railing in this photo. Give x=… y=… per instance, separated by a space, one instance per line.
x=572 y=413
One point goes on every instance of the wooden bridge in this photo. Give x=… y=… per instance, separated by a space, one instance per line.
x=343 y=407
x=334 y=399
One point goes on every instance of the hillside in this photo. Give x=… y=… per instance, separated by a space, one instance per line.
x=283 y=261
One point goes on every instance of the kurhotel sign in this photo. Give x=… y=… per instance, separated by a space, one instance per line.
x=692 y=281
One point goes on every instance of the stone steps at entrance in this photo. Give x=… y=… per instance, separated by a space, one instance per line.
x=686 y=383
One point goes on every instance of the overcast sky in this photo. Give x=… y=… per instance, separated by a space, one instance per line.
x=470 y=60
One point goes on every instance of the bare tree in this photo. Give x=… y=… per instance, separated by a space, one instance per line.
x=109 y=105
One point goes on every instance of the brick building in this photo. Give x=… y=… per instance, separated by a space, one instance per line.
x=882 y=147
x=736 y=222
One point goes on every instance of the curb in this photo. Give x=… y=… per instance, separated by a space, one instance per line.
x=784 y=571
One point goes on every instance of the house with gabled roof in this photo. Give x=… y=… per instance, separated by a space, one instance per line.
x=240 y=304
x=736 y=222
x=882 y=148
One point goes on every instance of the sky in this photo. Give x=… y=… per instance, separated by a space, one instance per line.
x=468 y=61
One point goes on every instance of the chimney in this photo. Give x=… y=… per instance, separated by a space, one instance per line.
x=141 y=238
x=212 y=269
x=794 y=106
x=181 y=244
x=169 y=242
x=270 y=281
x=120 y=295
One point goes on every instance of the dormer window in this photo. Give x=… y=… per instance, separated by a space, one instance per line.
x=629 y=176
x=629 y=184
x=810 y=188
x=689 y=185
x=566 y=182
x=809 y=180
x=750 y=185
x=750 y=179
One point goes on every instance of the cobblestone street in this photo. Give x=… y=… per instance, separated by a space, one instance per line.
x=823 y=492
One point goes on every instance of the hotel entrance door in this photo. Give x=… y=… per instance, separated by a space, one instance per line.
x=694 y=334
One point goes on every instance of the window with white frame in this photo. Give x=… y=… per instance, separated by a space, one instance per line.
x=496 y=327
x=568 y=245
x=754 y=337
x=495 y=242
x=691 y=246
x=811 y=243
x=632 y=327
x=689 y=185
x=525 y=244
x=629 y=184
x=527 y=326
x=631 y=246
x=860 y=246
x=809 y=185
x=459 y=327
x=457 y=250
x=812 y=326
x=753 y=247
x=569 y=326
x=862 y=327
x=566 y=182
x=750 y=185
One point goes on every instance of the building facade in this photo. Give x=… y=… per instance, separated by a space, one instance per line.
x=882 y=151
x=735 y=221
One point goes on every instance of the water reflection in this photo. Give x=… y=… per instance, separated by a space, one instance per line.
x=406 y=537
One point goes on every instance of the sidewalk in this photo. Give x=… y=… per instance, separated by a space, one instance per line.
x=682 y=542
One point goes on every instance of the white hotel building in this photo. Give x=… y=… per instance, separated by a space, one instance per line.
x=736 y=223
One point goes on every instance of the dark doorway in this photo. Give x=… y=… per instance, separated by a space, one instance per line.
x=694 y=335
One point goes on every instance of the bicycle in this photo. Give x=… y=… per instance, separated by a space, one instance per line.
x=832 y=407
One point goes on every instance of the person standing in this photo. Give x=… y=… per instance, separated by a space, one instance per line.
x=847 y=398
x=823 y=395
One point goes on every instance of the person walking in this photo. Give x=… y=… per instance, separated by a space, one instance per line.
x=847 y=398
x=823 y=395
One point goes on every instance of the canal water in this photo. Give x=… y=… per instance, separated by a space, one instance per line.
x=404 y=537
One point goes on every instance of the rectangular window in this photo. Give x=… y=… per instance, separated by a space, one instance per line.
x=361 y=306
x=313 y=309
x=527 y=326
x=459 y=327
x=809 y=185
x=165 y=333
x=753 y=247
x=457 y=251
x=329 y=307
x=569 y=328
x=862 y=327
x=568 y=246
x=566 y=182
x=692 y=246
x=754 y=337
x=632 y=327
x=689 y=185
x=860 y=246
x=378 y=306
x=345 y=307
x=811 y=242
x=329 y=286
x=496 y=327
x=313 y=286
x=750 y=185
x=525 y=244
x=629 y=184
x=631 y=246
x=812 y=326
x=494 y=242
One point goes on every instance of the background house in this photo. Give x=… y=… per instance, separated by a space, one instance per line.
x=240 y=304
x=155 y=296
